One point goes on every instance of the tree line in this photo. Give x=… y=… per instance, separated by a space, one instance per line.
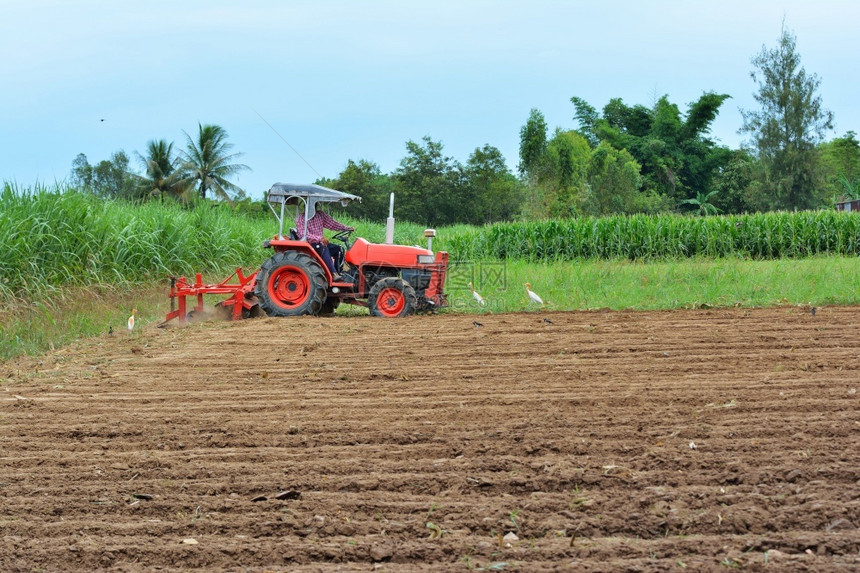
x=203 y=167
x=616 y=160
x=629 y=159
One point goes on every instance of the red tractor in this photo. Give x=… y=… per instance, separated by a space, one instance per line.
x=391 y=280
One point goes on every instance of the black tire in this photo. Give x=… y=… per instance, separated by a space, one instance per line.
x=291 y=283
x=329 y=306
x=391 y=297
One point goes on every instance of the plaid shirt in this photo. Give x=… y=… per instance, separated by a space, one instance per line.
x=316 y=224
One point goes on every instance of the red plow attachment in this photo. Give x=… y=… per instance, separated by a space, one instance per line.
x=241 y=304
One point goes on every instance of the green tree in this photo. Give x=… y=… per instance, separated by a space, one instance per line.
x=702 y=203
x=162 y=177
x=533 y=144
x=492 y=188
x=733 y=184
x=564 y=176
x=677 y=157
x=703 y=159
x=82 y=172
x=850 y=187
x=613 y=182
x=840 y=160
x=110 y=178
x=587 y=117
x=785 y=130
x=208 y=162
x=430 y=186
x=364 y=178
x=555 y=170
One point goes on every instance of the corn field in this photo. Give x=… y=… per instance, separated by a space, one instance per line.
x=657 y=237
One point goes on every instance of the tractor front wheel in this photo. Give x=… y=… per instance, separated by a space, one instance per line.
x=391 y=297
x=291 y=283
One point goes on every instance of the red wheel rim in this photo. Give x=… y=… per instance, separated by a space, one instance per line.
x=289 y=286
x=390 y=301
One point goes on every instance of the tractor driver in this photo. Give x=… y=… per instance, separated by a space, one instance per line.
x=319 y=221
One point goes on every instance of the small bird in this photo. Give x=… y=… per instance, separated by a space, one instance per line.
x=477 y=324
x=548 y=321
x=532 y=295
x=110 y=330
x=812 y=310
x=131 y=319
x=101 y=120
x=478 y=298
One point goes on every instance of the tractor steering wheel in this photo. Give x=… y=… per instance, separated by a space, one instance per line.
x=343 y=237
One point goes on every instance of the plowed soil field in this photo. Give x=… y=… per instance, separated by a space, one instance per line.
x=600 y=441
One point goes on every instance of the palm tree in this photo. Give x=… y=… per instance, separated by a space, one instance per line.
x=164 y=175
x=852 y=188
x=702 y=202
x=208 y=163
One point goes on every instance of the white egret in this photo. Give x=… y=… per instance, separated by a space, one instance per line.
x=478 y=298
x=533 y=295
x=131 y=319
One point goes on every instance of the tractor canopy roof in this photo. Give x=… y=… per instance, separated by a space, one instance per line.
x=291 y=194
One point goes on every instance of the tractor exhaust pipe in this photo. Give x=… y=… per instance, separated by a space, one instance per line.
x=429 y=234
x=389 y=224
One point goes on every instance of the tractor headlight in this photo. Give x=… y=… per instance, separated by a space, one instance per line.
x=426 y=259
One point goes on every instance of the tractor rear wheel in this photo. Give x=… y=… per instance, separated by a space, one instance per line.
x=291 y=283
x=391 y=297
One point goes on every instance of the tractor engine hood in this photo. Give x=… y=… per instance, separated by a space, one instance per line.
x=363 y=252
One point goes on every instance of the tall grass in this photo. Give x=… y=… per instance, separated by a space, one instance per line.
x=58 y=237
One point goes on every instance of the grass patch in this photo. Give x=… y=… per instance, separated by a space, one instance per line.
x=688 y=283
x=34 y=327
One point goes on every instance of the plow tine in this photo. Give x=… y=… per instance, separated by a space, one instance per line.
x=172 y=292
x=180 y=288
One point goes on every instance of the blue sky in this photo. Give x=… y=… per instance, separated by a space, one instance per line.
x=343 y=80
